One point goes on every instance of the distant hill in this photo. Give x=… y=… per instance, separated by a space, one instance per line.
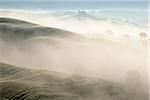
x=18 y=83
x=14 y=30
x=82 y=15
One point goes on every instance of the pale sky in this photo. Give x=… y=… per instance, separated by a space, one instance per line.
x=82 y=0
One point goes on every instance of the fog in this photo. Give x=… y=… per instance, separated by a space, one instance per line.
x=104 y=59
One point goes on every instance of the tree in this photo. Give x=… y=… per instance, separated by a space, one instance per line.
x=143 y=35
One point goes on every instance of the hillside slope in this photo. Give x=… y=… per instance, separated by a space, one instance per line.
x=15 y=29
x=18 y=83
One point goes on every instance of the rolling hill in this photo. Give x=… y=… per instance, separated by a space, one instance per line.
x=14 y=30
x=18 y=83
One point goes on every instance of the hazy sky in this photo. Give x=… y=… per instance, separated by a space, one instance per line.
x=73 y=4
x=79 y=0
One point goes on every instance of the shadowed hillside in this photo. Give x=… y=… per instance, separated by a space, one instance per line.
x=18 y=83
x=14 y=30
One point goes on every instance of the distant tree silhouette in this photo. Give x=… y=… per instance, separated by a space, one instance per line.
x=143 y=35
